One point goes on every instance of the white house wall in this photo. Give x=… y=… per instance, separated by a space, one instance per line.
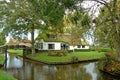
x=76 y=47
x=45 y=46
x=57 y=45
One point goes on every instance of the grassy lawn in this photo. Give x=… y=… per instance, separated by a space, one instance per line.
x=80 y=55
x=4 y=76
x=2 y=58
x=19 y=52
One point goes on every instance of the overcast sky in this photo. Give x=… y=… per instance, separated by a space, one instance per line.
x=93 y=8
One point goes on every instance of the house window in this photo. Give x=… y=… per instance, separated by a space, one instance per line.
x=51 y=46
x=51 y=37
x=79 y=46
x=83 y=46
x=37 y=45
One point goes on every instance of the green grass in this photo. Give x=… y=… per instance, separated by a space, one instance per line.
x=2 y=58
x=90 y=55
x=4 y=76
x=19 y=52
x=80 y=55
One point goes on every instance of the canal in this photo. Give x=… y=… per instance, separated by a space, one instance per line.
x=28 y=70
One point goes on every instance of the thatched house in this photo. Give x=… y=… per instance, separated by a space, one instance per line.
x=59 y=42
x=18 y=44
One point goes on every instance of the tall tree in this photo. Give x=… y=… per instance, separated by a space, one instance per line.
x=53 y=11
x=2 y=39
x=78 y=23
x=26 y=15
x=20 y=19
x=108 y=25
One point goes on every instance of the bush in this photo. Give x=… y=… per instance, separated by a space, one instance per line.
x=80 y=50
x=39 y=51
x=109 y=65
x=27 y=51
x=74 y=59
x=62 y=52
x=104 y=50
x=105 y=61
x=52 y=53
x=92 y=49
x=57 y=53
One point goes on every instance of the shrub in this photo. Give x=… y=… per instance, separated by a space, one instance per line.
x=92 y=49
x=74 y=59
x=57 y=53
x=105 y=61
x=80 y=50
x=62 y=52
x=109 y=65
x=104 y=50
x=52 y=53
x=28 y=51
x=39 y=51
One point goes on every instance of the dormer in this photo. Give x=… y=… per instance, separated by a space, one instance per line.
x=51 y=37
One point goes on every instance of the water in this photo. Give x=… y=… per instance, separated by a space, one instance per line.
x=27 y=70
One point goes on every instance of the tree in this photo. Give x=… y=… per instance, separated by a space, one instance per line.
x=20 y=18
x=26 y=15
x=107 y=25
x=53 y=12
x=77 y=24
x=2 y=39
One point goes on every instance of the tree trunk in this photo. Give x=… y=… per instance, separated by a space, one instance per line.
x=117 y=42
x=118 y=52
x=118 y=56
x=32 y=38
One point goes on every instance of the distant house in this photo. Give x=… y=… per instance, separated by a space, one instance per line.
x=18 y=44
x=50 y=45
x=59 y=42
x=79 y=47
x=82 y=45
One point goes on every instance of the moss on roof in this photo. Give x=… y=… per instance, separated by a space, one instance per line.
x=67 y=38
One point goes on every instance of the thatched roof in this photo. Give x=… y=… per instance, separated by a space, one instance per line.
x=20 y=44
x=28 y=44
x=67 y=38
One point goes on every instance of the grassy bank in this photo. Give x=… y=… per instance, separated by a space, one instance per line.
x=2 y=58
x=81 y=56
x=4 y=76
x=18 y=52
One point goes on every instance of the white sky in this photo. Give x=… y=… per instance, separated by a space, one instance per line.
x=93 y=8
x=35 y=36
x=5 y=0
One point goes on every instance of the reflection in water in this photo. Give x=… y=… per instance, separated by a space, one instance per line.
x=13 y=62
x=90 y=69
x=26 y=70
